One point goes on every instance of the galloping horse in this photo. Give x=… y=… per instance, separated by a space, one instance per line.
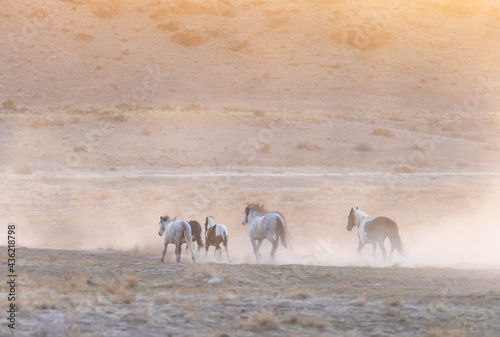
x=215 y=234
x=196 y=233
x=261 y=209
x=375 y=231
x=177 y=232
x=265 y=227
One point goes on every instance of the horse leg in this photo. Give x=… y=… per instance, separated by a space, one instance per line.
x=227 y=253
x=177 y=252
x=260 y=242
x=382 y=248
x=255 y=249
x=360 y=246
x=164 y=251
x=274 y=243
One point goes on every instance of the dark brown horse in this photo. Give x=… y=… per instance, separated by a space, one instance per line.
x=375 y=231
x=215 y=234
x=196 y=232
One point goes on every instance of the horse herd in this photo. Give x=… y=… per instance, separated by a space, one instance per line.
x=264 y=224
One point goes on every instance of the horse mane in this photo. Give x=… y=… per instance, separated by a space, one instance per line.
x=359 y=215
x=211 y=222
x=258 y=208
x=166 y=218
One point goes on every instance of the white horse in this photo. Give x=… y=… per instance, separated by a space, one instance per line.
x=215 y=234
x=177 y=232
x=264 y=227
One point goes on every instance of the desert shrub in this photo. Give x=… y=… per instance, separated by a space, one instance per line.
x=265 y=148
x=308 y=146
x=261 y=321
x=192 y=107
x=37 y=122
x=238 y=45
x=189 y=38
x=382 y=132
x=363 y=147
x=171 y=26
x=128 y=106
x=83 y=37
x=9 y=105
x=307 y=321
x=106 y=9
x=161 y=299
x=167 y=107
x=401 y=168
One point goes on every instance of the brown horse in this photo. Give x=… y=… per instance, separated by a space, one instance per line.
x=215 y=234
x=375 y=231
x=196 y=233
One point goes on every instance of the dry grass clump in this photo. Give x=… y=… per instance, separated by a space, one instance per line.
x=300 y=293
x=382 y=132
x=237 y=45
x=189 y=38
x=113 y=287
x=261 y=321
x=106 y=9
x=167 y=107
x=9 y=105
x=361 y=300
x=37 y=122
x=307 y=321
x=171 y=26
x=199 y=271
x=308 y=146
x=121 y=288
x=450 y=333
x=81 y=148
x=130 y=280
x=401 y=168
x=394 y=301
x=126 y=297
x=76 y=280
x=363 y=147
x=192 y=107
x=265 y=148
x=43 y=303
x=128 y=106
x=84 y=37
x=161 y=299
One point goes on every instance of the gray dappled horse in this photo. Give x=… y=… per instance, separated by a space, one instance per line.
x=176 y=232
x=375 y=231
x=270 y=226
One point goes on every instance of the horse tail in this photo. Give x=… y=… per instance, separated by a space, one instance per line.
x=396 y=240
x=282 y=231
x=225 y=236
x=188 y=238
x=198 y=234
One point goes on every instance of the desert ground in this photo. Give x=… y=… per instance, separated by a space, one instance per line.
x=114 y=113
